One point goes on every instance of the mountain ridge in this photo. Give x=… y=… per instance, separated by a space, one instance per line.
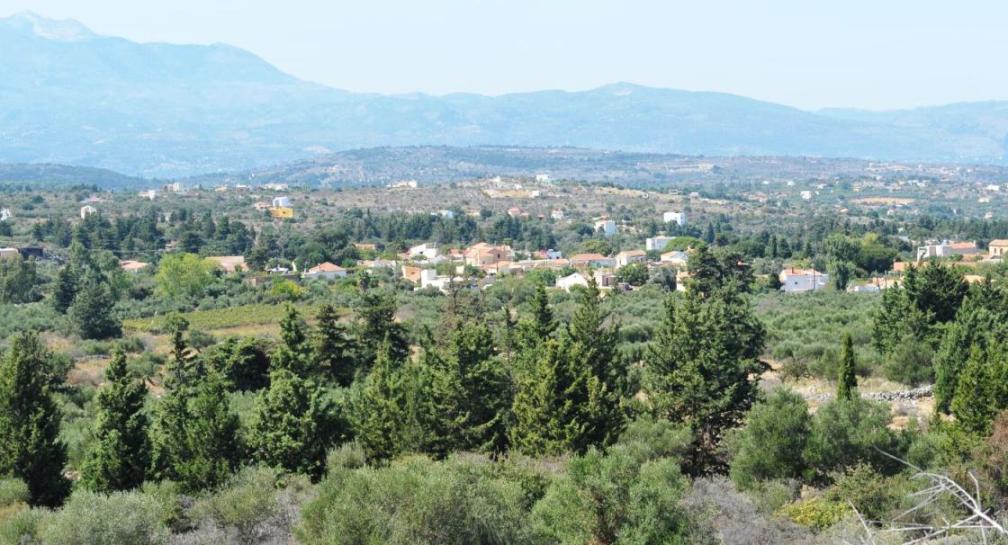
x=167 y=110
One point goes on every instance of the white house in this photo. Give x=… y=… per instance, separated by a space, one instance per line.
x=281 y=202
x=557 y=214
x=656 y=244
x=629 y=257
x=806 y=195
x=607 y=226
x=801 y=280
x=571 y=280
x=678 y=218
x=676 y=258
x=427 y=250
x=325 y=270
x=87 y=210
x=542 y=178
x=5 y=214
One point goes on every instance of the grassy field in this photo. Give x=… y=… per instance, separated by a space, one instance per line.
x=219 y=319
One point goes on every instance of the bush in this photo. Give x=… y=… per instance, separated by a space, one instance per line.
x=614 y=496
x=12 y=491
x=848 y=432
x=96 y=519
x=771 y=443
x=346 y=456
x=874 y=496
x=22 y=526
x=248 y=499
x=818 y=512
x=657 y=438
x=415 y=501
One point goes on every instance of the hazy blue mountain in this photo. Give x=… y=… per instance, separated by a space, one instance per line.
x=68 y=95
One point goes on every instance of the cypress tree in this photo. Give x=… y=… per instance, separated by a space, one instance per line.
x=30 y=448
x=332 y=347
x=211 y=434
x=119 y=458
x=65 y=289
x=975 y=401
x=379 y=407
x=546 y=410
x=294 y=353
x=847 y=380
x=702 y=370
x=593 y=346
x=93 y=310
x=376 y=325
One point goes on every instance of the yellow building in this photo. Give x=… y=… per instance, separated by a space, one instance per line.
x=282 y=212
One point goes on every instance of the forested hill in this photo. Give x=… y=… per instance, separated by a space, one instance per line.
x=72 y=96
x=50 y=175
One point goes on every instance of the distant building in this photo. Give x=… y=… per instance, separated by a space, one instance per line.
x=557 y=215
x=325 y=270
x=426 y=250
x=604 y=278
x=571 y=280
x=447 y=214
x=514 y=212
x=678 y=218
x=149 y=194
x=947 y=249
x=675 y=258
x=281 y=202
x=997 y=248
x=606 y=226
x=806 y=195
x=630 y=257
x=483 y=254
x=656 y=244
x=591 y=260
x=5 y=214
x=87 y=210
x=802 y=280
x=9 y=253
x=542 y=178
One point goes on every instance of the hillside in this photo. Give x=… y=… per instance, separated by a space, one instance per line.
x=152 y=109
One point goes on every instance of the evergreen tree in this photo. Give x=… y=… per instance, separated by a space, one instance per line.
x=294 y=352
x=213 y=446
x=702 y=369
x=847 y=380
x=294 y=424
x=120 y=455
x=30 y=447
x=470 y=393
x=376 y=325
x=545 y=409
x=379 y=412
x=93 y=311
x=333 y=349
x=65 y=289
x=244 y=362
x=593 y=345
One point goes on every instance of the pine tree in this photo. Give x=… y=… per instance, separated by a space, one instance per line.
x=376 y=325
x=120 y=455
x=847 y=380
x=30 y=447
x=333 y=349
x=975 y=401
x=701 y=369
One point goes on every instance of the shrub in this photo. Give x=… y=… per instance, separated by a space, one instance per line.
x=96 y=519
x=771 y=443
x=22 y=526
x=12 y=491
x=346 y=456
x=657 y=438
x=415 y=501
x=875 y=496
x=246 y=501
x=614 y=496
x=818 y=512
x=848 y=432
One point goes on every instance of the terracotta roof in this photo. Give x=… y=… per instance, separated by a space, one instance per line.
x=326 y=267
x=999 y=242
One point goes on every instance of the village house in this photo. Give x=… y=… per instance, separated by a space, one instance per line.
x=656 y=244
x=996 y=249
x=676 y=258
x=515 y=212
x=87 y=210
x=377 y=264
x=604 y=278
x=325 y=270
x=606 y=226
x=581 y=261
x=482 y=254
x=411 y=273
x=571 y=280
x=426 y=251
x=678 y=218
x=947 y=249
x=801 y=280
x=557 y=214
x=9 y=253
x=629 y=257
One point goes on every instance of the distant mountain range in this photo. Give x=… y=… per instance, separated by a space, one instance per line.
x=68 y=95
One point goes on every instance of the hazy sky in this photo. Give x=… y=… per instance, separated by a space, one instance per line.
x=871 y=54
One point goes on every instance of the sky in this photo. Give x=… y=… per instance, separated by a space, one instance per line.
x=877 y=54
